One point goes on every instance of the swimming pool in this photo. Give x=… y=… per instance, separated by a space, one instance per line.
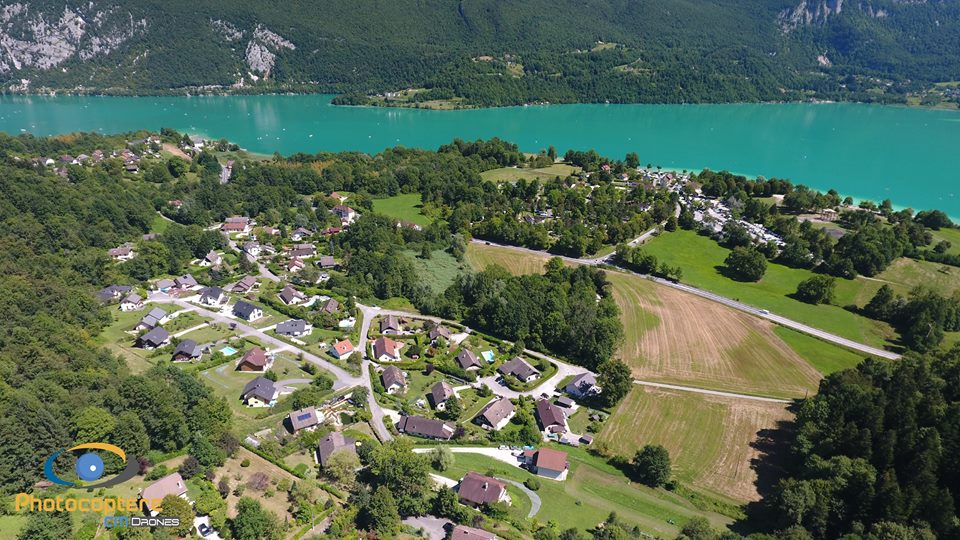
x=228 y=350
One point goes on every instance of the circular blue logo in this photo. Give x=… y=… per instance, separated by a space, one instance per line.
x=89 y=467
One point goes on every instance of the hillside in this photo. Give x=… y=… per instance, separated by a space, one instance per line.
x=488 y=52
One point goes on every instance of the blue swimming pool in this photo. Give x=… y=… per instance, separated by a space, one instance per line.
x=228 y=350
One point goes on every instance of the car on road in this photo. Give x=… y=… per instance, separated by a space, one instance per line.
x=764 y=312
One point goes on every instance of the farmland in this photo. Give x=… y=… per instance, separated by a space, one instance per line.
x=710 y=438
x=674 y=337
x=512 y=174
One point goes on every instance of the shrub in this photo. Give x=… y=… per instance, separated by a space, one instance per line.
x=245 y=462
x=533 y=484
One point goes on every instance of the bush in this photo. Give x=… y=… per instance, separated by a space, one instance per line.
x=533 y=484
x=245 y=463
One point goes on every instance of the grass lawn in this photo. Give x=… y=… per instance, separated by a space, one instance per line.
x=209 y=334
x=950 y=235
x=592 y=490
x=439 y=270
x=825 y=357
x=709 y=438
x=481 y=256
x=11 y=525
x=701 y=259
x=904 y=274
x=159 y=224
x=405 y=207
x=185 y=320
x=512 y=174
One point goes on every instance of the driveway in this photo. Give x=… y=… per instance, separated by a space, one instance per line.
x=535 y=502
x=206 y=521
x=433 y=528
x=495 y=453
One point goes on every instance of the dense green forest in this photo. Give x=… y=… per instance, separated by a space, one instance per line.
x=499 y=53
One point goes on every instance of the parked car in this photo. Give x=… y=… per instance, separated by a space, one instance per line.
x=204 y=529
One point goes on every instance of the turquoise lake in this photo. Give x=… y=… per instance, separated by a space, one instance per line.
x=911 y=156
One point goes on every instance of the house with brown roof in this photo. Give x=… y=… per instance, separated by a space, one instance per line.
x=390 y=325
x=302 y=251
x=300 y=233
x=330 y=306
x=172 y=484
x=393 y=379
x=211 y=259
x=237 y=225
x=428 y=428
x=305 y=419
x=467 y=360
x=345 y=213
x=439 y=331
x=186 y=282
x=550 y=417
x=245 y=285
x=255 y=360
x=386 y=350
x=476 y=489
x=294 y=265
x=440 y=393
x=342 y=350
x=496 y=414
x=327 y=261
x=462 y=532
x=291 y=296
x=132 y=302
x=519 y=368
x=332 y=443
x=547 y=462
x=122 y=253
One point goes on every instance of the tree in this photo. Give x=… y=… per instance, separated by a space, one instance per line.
x=453 y=409
x=818 y=289
x=698 y=528
x=175 y=507
x=632 y=160
x=381 y=512
x=255 y=523
x=447 y=504
x=342 y=467
x=177 y=166
x=882 y=306
x=442 y=458
x=616 y=380
x=47 y=526
x=405 y=473
x=746 y=263
x=651 y=465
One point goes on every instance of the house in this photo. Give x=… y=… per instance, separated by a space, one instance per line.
x=437 y=332
x=547 y=462
x=212 y=259
x=291 y=296
x=213 y=297
x=149 y=236
x=256 y=359
x=244 y=223
x=245 y=285
x=235 y=228
x=440 y=393
x=550 y=417
x=172 y=484
x=132 y=302
x=427 y=428
x=294 y=328
x=390 y=325
x=260 y=392
x=269 y=231
x=252 y=247
x=519 y=368
x=122 y=253
x=186 y=282
x=462 y=532
x=345 y=213
x=186 y=351
x=323 y=277
x=330 y=306
x=333 y=443
x=386 y=350
x=247 y=311
x=476 y=489
x=496 y=414
x=342 y=350
x=294 y=265
x=164 y=285
x=307 y=419
x=582 y=386
x=300 y=233
x=151 y=320
x=393 y=379
x=303 y=251
x=158 y=337
x=112 y=292
x=467 y=360
x=327 y=261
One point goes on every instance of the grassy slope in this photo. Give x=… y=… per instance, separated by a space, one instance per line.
x=405 y=207
x=592 y=490
x=825 y=357
x=512 y=174
x=701 y=258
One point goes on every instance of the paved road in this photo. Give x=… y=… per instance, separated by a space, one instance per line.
x=376 y=412
x=762 y=313
x=711 y=392
x=265 y=272
x=535 y=502
x=434 y=528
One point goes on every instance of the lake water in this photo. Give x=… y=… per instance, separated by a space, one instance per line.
x=911 y=156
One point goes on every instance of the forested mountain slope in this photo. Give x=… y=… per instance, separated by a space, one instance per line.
x=488 y=51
